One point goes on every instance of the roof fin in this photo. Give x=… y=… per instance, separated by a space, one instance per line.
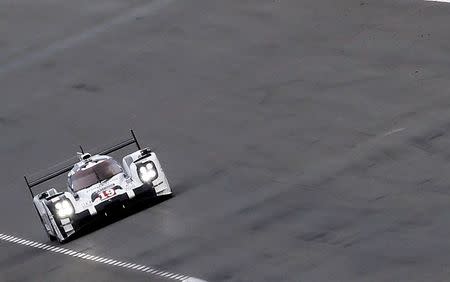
x=84 y=157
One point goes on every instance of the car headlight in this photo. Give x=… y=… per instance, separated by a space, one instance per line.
x=64 y=208
x=147 y=171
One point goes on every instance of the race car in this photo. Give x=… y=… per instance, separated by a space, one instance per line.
x=97 y=186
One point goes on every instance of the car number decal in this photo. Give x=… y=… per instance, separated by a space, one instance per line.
x=105 y=194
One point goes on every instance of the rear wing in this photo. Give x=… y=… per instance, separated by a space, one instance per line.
x=35 y=182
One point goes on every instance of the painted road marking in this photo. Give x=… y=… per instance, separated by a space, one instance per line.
x=444 y=1
x=39 y=55
x=107 y=261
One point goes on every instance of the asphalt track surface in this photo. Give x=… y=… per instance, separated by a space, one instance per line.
x=306 y=140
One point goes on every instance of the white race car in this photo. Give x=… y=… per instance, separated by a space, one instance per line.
x=97 y=187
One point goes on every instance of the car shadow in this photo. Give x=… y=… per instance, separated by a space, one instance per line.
x=101 y=221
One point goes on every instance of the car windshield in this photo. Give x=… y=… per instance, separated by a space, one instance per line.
x=101 y=171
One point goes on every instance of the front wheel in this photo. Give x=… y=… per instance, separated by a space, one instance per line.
x=50 y=236
x=60 y=238
x=61 y=241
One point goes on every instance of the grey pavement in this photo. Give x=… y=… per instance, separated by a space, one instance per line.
x=305 y=140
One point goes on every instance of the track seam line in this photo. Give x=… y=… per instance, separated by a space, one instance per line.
x=58 y=46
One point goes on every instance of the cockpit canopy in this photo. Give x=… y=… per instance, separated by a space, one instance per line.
x=94 y=172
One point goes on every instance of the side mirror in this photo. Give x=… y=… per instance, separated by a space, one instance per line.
x=43 y=195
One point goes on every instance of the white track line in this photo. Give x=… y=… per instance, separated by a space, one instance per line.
x=107 y=261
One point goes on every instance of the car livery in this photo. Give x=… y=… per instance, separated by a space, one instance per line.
x=97 y=185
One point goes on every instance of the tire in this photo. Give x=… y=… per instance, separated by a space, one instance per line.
x=57 y=238
x=50 y=237
x=61 y=241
